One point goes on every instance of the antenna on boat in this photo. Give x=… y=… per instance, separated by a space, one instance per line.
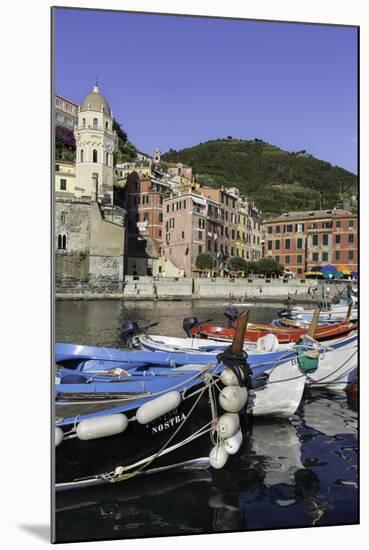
x=239 y=335
x=313 y=324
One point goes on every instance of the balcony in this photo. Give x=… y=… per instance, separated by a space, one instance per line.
x=95 y=129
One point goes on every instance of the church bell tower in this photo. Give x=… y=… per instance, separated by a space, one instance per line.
x=95 y=143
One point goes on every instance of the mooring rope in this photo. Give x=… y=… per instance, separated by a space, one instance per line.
x=334 y=372
x=118 y=475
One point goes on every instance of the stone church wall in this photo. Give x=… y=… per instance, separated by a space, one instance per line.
x=72 y=219
x=92 y=261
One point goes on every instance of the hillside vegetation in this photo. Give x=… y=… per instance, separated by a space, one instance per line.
x=277 y=180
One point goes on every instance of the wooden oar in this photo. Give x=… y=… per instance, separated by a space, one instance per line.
x=313 y=324
x=240 y=331
x=348 y=316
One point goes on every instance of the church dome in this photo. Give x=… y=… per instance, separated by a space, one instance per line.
x=94 y=101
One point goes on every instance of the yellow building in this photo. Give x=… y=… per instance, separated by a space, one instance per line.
x=65 y=179
x=249 y=230
x=241 y=230
x=122 y=171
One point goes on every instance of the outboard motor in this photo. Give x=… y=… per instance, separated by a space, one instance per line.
x=283 y=312
x=128 y=331
x=190 y=323
x=232 y=315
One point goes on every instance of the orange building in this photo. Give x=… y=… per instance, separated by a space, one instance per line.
x=303 y=240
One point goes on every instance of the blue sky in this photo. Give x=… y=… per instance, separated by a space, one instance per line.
x=173 y=82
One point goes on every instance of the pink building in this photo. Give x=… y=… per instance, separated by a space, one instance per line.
x=179 y=169
x=205 y=220
x=185 y=229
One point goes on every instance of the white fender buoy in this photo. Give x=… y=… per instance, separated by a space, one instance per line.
x=228 y=424
x=267 y=344
x=233 y=398
x=218 y=457
x=157 y=407
x=232 y=444
x=59 y=434
x=101 y=426
x=228 y=378
x=216 y=501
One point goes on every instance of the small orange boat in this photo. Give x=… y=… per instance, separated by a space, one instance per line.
x=285 y=335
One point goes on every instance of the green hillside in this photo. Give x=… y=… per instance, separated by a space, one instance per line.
x=277 y=180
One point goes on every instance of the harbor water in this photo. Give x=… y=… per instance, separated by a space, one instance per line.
x=288 y=473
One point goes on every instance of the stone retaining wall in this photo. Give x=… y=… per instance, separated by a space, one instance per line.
x=172 y=288
x=251 y=288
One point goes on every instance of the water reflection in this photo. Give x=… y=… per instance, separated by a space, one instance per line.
x=306 y=464
x=288 y=474
x=97 y=323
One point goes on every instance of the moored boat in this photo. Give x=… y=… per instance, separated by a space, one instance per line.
x=105 y=434
x=338 y=361
x=283 y=334
x=337 y=357
x=276 y=383
x=156 y=417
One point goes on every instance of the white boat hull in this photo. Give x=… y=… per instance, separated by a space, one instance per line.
x=337 y=362
x=337 y=365
x=282 y=394
x=337 y=313
x=154 y=342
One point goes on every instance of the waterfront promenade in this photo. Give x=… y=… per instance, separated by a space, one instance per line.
x=180 y=288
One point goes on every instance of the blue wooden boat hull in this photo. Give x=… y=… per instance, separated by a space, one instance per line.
x=97 y=394
x=85 y=463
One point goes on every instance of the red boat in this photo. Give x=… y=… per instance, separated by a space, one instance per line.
x=284 y=335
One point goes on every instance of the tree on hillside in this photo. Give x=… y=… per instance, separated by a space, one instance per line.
x=204 y=260
x=121 y=134
x=277 y=180
x=125 y=150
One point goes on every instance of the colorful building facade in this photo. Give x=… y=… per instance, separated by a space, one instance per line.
x=179 y=169
x=249 y=230
x=65 y=179
x=208 y=220
x=144 y=202
x=303 y=240
x=185 y=226
x=66 y=112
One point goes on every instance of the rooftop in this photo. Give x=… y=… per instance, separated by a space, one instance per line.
x=311 y=214
x=67 y=100
x=95 y=102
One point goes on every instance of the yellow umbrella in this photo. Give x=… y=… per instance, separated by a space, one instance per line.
x=344 y=269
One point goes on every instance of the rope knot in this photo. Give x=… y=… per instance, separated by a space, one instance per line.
x=238 y=365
